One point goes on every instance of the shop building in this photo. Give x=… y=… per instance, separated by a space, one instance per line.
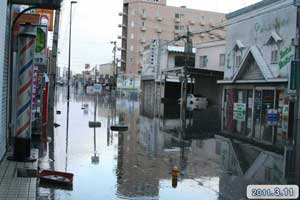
x=260 y=45
x=4 y=53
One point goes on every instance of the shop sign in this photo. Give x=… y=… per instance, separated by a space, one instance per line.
x=293 y=78
x=97 y=88
x=40 y=57
x=48 y=4
x=272 y=117
x=285 y=118
x=90 y=89
x=239 y=111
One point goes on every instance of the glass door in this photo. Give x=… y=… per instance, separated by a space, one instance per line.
x=264 y=101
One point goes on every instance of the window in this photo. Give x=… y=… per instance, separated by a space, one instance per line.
x=179 y=15
x=274 y=57
x=132 y=36
x=179 y=27
x=143 y=11
x=222 y=60
x=237 y=60
x=203 y=61
x=143 y=23
x=132 y=24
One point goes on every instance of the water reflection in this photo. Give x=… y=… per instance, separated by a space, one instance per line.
x=137 y=164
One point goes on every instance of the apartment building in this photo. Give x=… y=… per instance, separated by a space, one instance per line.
x=147 y=20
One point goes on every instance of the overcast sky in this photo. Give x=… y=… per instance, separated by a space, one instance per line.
x=95 y=24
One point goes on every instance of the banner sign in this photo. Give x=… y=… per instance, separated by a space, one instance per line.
x=239 y=112
x=40 y=57
x=48 y=4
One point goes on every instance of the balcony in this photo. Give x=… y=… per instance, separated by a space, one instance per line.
x=122 y=14
x=143 y=41
x=192 y=22
x=121 y=49
x=158 y=18
x=122 y=26
x=122 y=38
x=143 y=16
x=177 y=20
x=159 y=30
x=143 y=28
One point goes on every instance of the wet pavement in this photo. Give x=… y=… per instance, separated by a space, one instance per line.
x=137 y=164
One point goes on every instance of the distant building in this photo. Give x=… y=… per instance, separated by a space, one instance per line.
x=106 y=69
x=148 y=20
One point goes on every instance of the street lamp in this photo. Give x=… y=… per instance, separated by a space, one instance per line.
x=69 y=62
x=115 y=66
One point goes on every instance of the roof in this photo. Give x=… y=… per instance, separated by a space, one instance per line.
x=261 y=63
x=250 y=8
x=178 y=49
x=238 y=45
x=266 y=72
x=274 y=37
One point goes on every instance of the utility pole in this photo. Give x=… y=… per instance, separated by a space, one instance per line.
x=115 y=71
x=188 y=48
x=70 y=41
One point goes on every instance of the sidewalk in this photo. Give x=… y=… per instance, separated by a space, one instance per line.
x=14 y=188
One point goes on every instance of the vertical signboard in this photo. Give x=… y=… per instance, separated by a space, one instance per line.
x=40 y=57
x=294 y=77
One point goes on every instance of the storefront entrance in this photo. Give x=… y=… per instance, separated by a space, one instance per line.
x=260 y=113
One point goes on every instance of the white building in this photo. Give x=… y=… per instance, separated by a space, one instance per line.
x=260 y=45
x=211 y=55
x=106 y=69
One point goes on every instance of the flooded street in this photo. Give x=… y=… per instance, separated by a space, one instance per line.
x=138 y=163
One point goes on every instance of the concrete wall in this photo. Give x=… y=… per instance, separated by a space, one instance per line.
x=212 y=50
x=255 y=28
x=3 y=66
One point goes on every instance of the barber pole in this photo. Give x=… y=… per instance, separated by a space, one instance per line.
x=26 y=49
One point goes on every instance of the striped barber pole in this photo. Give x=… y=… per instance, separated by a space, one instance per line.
x=26 y=49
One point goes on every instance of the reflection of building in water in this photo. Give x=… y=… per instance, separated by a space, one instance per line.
x=246 y=164
x=152 y=147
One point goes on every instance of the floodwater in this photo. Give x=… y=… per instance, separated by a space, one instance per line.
x=137 y=164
